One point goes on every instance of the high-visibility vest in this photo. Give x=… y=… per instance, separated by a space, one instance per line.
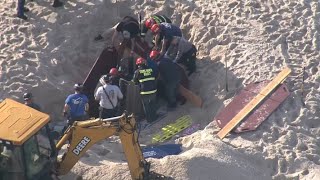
x=147 y=81
x=160 y=19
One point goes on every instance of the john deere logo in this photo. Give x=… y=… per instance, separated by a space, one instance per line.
x=81 y=145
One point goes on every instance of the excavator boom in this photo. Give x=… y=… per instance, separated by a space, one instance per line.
x=83 y=135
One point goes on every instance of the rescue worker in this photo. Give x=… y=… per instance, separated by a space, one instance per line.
x=164 y=32
x=128 y=28
x=28 y=100
x=115 y=76
x=183 y=52
x=170 y=77
x=21 y=9
x=108 y=96
x=154 y=19
x=144 y=76
x=76 y=105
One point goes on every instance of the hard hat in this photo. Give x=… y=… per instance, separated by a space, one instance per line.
x=139 y=61
x=155 y=28
x=78 y=86
x=113 y=71
x=149 y=23
x=154 y=54
x=27 y=96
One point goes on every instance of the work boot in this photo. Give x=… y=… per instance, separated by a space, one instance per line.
x=26 y=9
x=22 y=17
x=57 y=3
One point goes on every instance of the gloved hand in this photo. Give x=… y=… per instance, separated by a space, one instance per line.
x=99 y=37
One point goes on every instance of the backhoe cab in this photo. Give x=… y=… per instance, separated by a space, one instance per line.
x=27 y=151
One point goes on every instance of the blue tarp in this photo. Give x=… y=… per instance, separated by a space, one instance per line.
x=160 y=151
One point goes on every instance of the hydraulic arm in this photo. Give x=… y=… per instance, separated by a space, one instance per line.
x=82 y=135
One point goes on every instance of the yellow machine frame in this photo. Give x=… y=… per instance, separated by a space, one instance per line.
x=83 y=135
x=19 y=122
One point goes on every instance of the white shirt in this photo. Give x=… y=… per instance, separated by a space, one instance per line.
x=113 y=92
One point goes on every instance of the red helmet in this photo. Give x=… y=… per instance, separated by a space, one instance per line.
x=113 y=71
x=154 y=54
x=139 y=61
x=149 y=22
x=155 y=28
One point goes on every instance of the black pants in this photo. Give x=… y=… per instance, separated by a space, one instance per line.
x=107 y=113
x=189 y=59
x=149 y=106
x=171 y=90
x=21 y=7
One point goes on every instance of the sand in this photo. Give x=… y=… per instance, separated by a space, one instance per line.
x=55 y=49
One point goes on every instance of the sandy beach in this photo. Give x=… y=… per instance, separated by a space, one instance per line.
x=54 y=49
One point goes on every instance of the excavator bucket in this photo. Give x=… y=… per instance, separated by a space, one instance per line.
x=107 y=60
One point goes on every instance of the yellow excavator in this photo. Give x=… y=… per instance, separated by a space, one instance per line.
x=28 y=151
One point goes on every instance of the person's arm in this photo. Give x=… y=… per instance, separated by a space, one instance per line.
x=135 y=76
x=86 y=106
x=133 y=42
x=115 y=34
x=163 y=48
x=156 y=38
x=120 y=95
x=169 y=51
x=97 y=95
x=177 y=59
x=66 y=109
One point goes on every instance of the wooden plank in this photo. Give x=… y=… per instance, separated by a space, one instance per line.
x=254 y=102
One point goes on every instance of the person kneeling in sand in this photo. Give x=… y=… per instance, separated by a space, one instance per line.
x=164 y=32
x=183 y=52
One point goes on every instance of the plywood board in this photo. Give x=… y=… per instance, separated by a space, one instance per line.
x=254 y=119
x=254 y=102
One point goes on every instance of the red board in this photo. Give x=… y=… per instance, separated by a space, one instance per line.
x=106 y=61
x=261 y=113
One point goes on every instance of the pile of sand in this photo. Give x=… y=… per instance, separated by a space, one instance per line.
x=54 y=49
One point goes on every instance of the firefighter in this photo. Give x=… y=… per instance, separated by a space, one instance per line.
x=115 y=76
x=164 y=32
x=154 y=19
x=170 y=76
x=145 y=77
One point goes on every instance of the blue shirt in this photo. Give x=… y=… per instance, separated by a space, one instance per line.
x=77 y=103
x=170 y=30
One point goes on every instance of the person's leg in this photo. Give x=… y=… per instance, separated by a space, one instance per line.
x=171 y=96
x=20 y=9
x=153 y=107
x=57 y=3
x=191 y=60
x=146 y=107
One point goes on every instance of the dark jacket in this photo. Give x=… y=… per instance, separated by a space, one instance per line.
x=129 y=24
x=169 y=71
x=144 y=75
